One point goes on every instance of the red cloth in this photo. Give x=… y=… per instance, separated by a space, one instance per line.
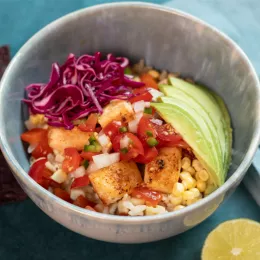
x=9 y=189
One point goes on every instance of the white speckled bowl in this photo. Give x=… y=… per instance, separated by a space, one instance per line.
x=167 y=39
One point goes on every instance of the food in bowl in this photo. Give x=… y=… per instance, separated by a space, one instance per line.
x=125 y=140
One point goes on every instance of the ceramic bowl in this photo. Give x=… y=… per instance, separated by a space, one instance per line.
x=165 y=38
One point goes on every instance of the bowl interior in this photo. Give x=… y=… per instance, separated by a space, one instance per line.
x=165 y=39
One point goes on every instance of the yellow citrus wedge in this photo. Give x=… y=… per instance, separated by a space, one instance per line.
x=233 y=240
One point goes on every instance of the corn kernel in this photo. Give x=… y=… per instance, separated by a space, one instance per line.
x=188 y=195
x=178 y=207
x=185 y=175
x=196 y=165
x=185 y=163
x=37 y=119
x=203 y=175
x=137 y=79
x=195 y=192
x=155 y=74
x=154 y=210
x=178 y=189
x=201 y=185
x=197 y=177
x=210 y=181
x=189 y=183
x=175 y=200
x=191 y=170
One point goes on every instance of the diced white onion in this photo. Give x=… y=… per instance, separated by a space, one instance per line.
x=92 y=168
x=147 y=104
x=129 y=76
x=139 y=106
x=31 y=147
x=59 y=176
x=155 y=93
x=157 y=121
x=79 y=172
x=101 y=132
x=59 y=158
x=103 y=140
x=132 y=125
x=104 y=160
x=50 y=158
x=50 y=166
x=124 y=142
x=74 y=193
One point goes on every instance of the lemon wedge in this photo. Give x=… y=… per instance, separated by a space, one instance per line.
x=233 y=240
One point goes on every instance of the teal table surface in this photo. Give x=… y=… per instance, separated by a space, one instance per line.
x=27 y=233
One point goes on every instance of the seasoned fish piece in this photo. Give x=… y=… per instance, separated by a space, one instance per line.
x=117 y=110
x=164 y=170
x=113 y=182
x=59 y=138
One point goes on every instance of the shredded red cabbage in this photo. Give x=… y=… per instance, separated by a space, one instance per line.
x=79 y=87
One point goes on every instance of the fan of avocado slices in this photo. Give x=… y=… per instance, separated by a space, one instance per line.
x=202 y=119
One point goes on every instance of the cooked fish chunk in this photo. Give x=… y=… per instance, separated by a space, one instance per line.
x=113 y=182
x=59 y=138
x=164 y=170
x=117 y=110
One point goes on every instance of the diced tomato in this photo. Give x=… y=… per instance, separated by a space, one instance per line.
x=90 y=124
x=167 y=136
x=149 y=81
x=112 y=129
x=40 y=173
x=82 y=202
x=149 y=155
x=42 y=149
x=145 y=96
x=38 y=137
x=140 y=90
x=72 y=160
x=134 y=148
x=80 y=182
x=62 y=194
x=146 y=129
x=90 y=208
x=54 y=184
x=33 y=136
x=150 y=196
x=88 y=155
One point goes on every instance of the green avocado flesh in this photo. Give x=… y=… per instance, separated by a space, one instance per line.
x=202 y=119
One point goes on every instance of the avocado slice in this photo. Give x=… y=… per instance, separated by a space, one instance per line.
x=217 y=108
x=228 y=130
x=194 y=104
x=202 y=119
x=194 y=132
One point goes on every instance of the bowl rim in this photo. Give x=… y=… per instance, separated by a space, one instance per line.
x=21 y=174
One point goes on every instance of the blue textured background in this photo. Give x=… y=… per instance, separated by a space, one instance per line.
x=27 y=233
